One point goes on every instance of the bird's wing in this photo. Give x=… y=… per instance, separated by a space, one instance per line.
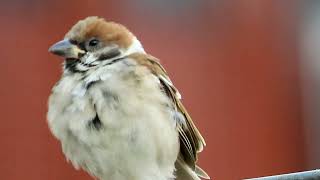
x=191 y=141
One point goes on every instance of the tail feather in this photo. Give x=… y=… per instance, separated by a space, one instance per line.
x=201 y=173
x=184 y=172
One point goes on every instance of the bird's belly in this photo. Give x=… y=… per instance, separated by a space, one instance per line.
x=137 y=139
x=140 y=146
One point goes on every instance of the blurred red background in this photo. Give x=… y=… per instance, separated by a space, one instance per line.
x=236 y=63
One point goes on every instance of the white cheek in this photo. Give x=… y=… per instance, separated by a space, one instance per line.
x=81 y=67
x=95 y=63
x=89 y=58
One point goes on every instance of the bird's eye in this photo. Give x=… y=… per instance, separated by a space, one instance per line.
x=93 y=42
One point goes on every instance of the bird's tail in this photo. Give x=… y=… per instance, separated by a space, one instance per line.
x=184 y=172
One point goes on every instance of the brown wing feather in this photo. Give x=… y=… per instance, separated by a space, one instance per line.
x=191 y=141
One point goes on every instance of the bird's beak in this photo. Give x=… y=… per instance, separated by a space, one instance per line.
x=66 y=49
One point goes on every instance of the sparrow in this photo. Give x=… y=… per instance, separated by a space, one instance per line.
x=115 y=110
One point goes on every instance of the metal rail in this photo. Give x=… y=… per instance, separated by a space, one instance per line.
x=305 y=175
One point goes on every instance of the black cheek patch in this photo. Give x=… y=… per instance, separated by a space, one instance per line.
x=108 y=55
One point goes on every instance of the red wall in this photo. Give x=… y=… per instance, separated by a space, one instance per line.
x=235 y=63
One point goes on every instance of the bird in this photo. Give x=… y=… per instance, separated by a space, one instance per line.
x=115 y=110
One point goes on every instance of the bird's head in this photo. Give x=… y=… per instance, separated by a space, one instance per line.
x=94 y=41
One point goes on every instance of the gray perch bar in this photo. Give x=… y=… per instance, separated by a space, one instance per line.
x=306 y=175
